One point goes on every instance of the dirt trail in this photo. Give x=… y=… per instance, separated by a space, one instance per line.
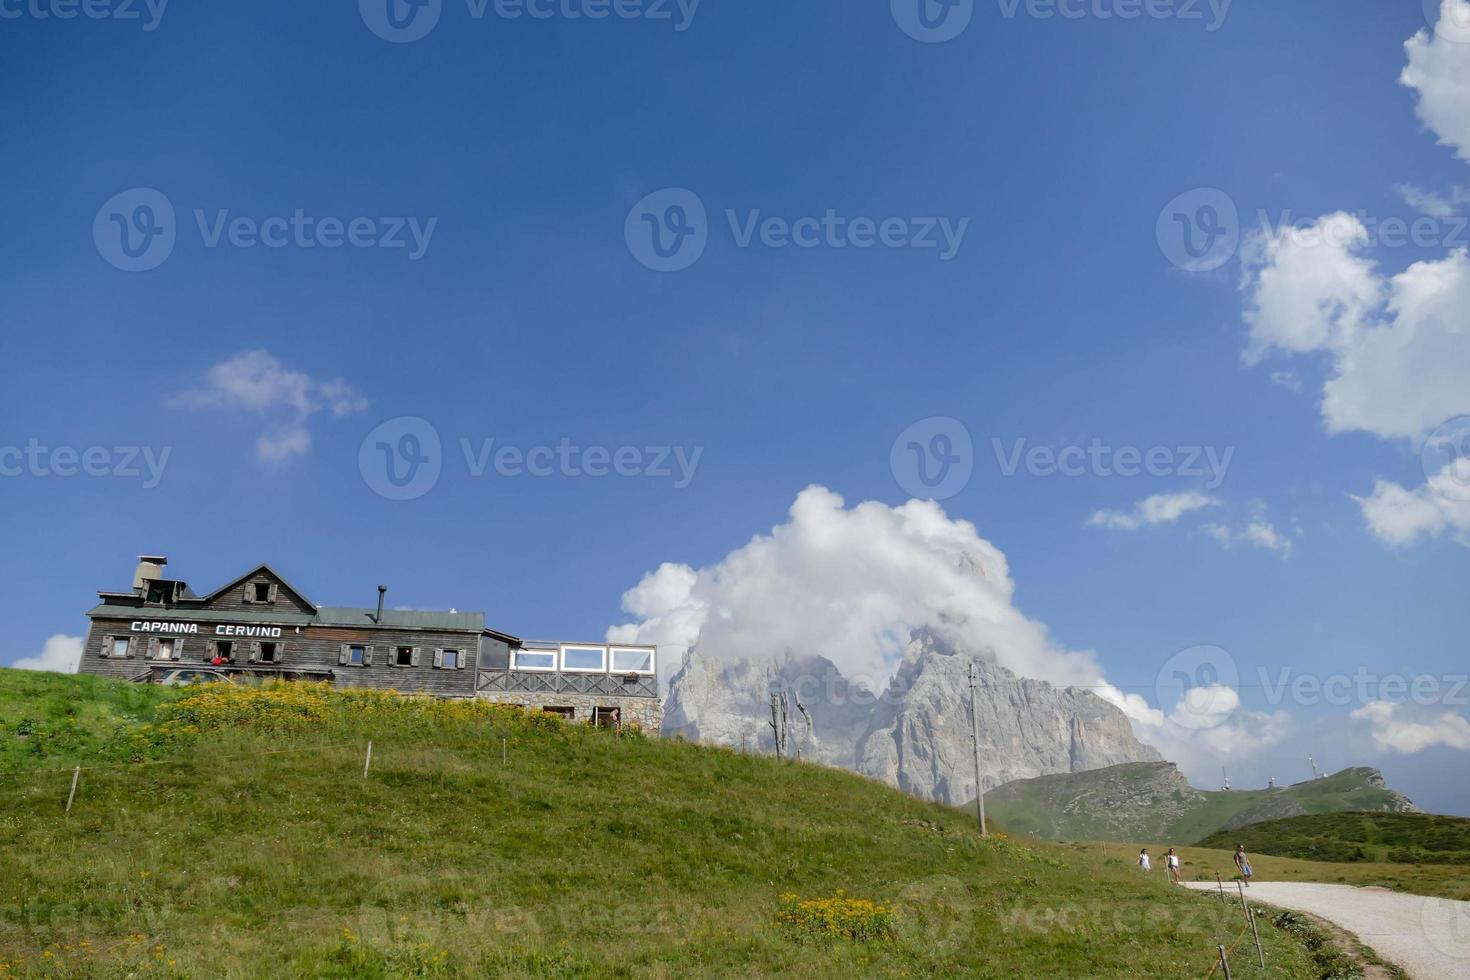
x=1428 y=937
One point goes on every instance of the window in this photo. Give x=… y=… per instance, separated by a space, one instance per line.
x=270 y=653
x=567 y=713
x=165 y=648
x=584 y=660
x=405 y=657
x=357 y=656
x=607 y=717
x=449 y=659
x=224 y=649
x=262 y=591
x=120 y=645
x=535 y=660
x=627 y=661
x=159 y=593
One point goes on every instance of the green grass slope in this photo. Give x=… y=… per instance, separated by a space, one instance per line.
x=1153 y=801
x=1400 y=838
x=247 y=842
x=58 y=720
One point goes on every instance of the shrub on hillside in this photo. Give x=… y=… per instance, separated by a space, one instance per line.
x=837 y=917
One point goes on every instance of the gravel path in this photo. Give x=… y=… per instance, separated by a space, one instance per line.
x=1428 y=937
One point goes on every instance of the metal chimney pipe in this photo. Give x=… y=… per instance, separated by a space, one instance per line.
x=382 y=591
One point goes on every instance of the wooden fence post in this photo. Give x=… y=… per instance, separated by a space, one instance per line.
x=368 y=762
x=75 y=778
x=1252 y=920
x=504 y=752
x=1225 y=962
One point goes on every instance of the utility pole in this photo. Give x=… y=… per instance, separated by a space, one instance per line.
x=975 y=735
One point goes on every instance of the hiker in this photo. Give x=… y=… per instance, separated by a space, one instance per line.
x=1243 y=864
x=1143 y=860
x=1171 y=861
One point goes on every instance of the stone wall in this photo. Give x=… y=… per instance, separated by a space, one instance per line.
x=645 y=712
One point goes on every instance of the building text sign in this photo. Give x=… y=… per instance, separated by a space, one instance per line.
x=192 y=629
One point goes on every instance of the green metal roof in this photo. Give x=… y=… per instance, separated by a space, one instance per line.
x=401 y=619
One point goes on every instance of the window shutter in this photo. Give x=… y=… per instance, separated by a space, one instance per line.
x=274 y=587
x=152 y=648
x=249 y=593
x=252 y=651
x=459 y=661
x=439 y=658
x=417 y=656
x=280 y=652
x=106 y=650
x=179 y=648
x=342 y=655
x=367 y=656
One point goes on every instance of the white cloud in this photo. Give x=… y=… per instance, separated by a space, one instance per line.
x=1310 y=290
x=258 y=382
x=1399 y=516
x=1439 y=71
x=1392 y=733
x=1445 y=206
x=1399 y=346
x=1164 y=508
x=1263 y=534
x=1209 y=727
x=850 y=584
x=62 y=654
x=1258 y=533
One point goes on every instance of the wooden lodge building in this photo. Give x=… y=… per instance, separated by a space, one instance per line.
x=259 y=625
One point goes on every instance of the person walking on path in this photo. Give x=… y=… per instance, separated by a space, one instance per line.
x=1243 y=864
x=1143 y=860
x=1171 y=861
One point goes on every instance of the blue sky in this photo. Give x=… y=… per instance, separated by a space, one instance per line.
x=519 y=148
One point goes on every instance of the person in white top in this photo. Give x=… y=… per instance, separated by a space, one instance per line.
x=1171 y=861
x=1143 y=860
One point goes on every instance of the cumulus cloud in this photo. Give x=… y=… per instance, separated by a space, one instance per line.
x=257 y=381
x=1163 y=508
x=1399 y=346
x=1400 y=516
x=61 y=654
x=1439 y=71
x=850 y=584
x=1392 y=732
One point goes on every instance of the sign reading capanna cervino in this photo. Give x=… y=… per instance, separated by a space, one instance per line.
x=191 y=629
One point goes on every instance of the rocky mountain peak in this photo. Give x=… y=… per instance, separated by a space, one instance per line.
x=915 y=734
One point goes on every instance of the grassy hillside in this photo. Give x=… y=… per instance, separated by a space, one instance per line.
x=1153 y=801
x=51 y=720
x=490 y=842
x=1402 y=838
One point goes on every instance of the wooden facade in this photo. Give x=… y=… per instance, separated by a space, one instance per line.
x=260 y=625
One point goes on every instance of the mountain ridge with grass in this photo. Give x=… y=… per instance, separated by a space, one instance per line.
x=1396 y=838
x=1154 y=801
